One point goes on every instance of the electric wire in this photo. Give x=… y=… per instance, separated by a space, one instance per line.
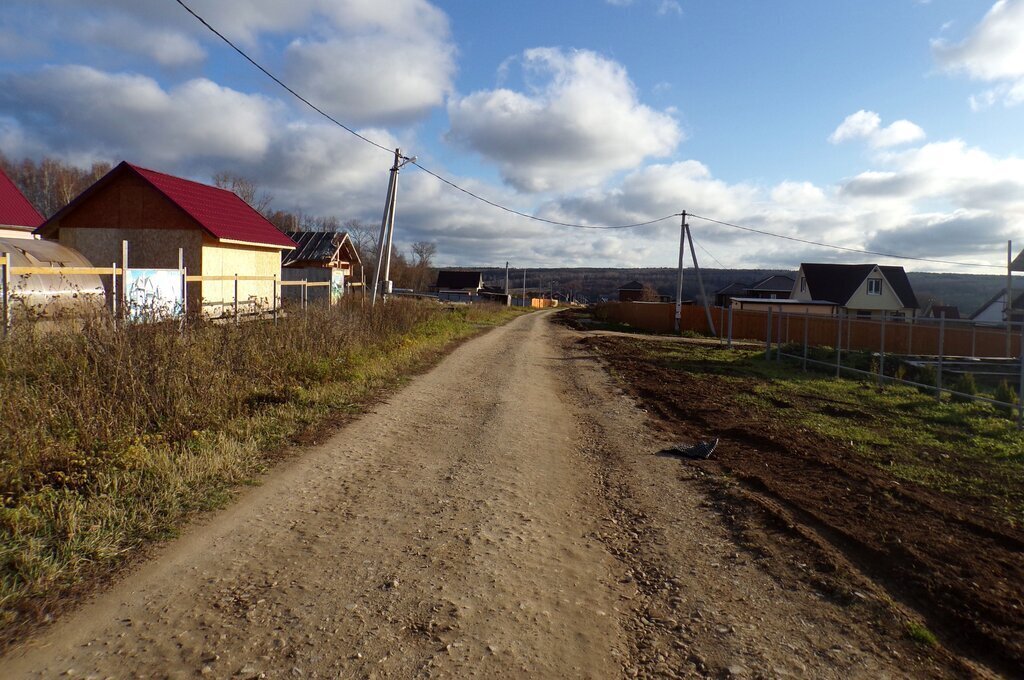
x=845 y=248
x=348 y=129
x=537 y=218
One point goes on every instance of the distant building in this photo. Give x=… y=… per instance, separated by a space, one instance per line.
x=950 y=311
x=994 y=309
x=724 y=296
x=866 y=291
x=459 y=286
x=776 y=287
x=220 y=234
x=631 y=292
x=17 y=216
x=321 y=256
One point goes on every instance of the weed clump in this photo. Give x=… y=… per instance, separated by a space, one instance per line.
x=1005 y=393
x=966 y=385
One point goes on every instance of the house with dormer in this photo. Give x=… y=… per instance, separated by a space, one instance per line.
x=864 y=291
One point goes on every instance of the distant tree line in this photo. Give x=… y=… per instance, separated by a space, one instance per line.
x=50 y=184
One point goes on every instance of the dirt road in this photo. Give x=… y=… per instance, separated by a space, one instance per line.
x=502 y=515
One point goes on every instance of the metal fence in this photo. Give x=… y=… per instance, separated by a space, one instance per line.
x=888 y=356
x=116 y=294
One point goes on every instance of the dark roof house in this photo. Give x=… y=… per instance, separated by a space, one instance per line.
x=775 y=286
x=320 y=249
x=864 y=289
x=450 y=279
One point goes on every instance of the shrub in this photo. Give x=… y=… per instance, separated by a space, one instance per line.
x=926 y=375
x=1005 y=393
x=967 y=385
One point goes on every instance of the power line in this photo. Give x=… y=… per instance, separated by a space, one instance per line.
x=536 y=218
x=846 y=248
x=542 y=219
x=348 y=129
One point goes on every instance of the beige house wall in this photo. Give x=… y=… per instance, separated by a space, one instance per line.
x=887 y=301
x=224 y=259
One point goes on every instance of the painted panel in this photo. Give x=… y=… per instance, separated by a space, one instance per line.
x=153 y=294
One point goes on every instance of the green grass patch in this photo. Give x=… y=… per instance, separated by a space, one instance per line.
x=111 y=438
x=921 y=635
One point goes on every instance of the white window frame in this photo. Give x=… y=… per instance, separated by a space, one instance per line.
x=879 y=287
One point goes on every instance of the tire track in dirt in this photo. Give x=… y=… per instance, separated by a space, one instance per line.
x=954 y=567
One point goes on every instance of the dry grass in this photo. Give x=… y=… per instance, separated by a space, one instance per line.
x=110 y=438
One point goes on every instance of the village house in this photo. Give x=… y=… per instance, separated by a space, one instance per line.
x=865 y=291
x=220 y=235
x=322 y=256
x=774 y=287
x=459 y=286
x=631 y=292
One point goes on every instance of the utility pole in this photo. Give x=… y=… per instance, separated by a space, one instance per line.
x=700 y=282
x=506 y=277
x=524 y=288
x=679 y=284
x=387 y=229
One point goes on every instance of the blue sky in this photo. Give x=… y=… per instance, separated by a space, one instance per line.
x=892 y=125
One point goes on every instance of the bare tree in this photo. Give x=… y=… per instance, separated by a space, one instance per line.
x=50 y=184
x=245 y=189
x=424 y=252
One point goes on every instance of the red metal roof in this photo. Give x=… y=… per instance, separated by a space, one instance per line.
x=15 y=210
x=218 y=211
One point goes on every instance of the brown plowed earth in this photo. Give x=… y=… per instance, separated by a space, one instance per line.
x=961 y=570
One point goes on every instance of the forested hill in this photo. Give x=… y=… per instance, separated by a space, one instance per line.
x=966 y=291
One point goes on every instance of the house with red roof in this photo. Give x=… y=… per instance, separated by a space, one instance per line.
x=17 y=216
x=220 y=235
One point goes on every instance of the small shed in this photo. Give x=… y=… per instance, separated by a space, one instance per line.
x=220 y=235
x=322 y=256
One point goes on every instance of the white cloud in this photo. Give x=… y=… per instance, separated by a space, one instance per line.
x=366 y=61
x=84 y=111
x=164 y=46
x=993 y=53
x=578 y=125
x=867 y=125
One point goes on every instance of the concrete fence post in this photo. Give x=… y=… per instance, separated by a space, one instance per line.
x=881 y=351
x=778 y=340
x=275 y=299
x=839 y=344
x=5 y=293
x=806 y=326
x=1020 y=387
x=942 y=338
x=730 y=326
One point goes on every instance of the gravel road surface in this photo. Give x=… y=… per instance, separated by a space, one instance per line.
x=502 y=515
